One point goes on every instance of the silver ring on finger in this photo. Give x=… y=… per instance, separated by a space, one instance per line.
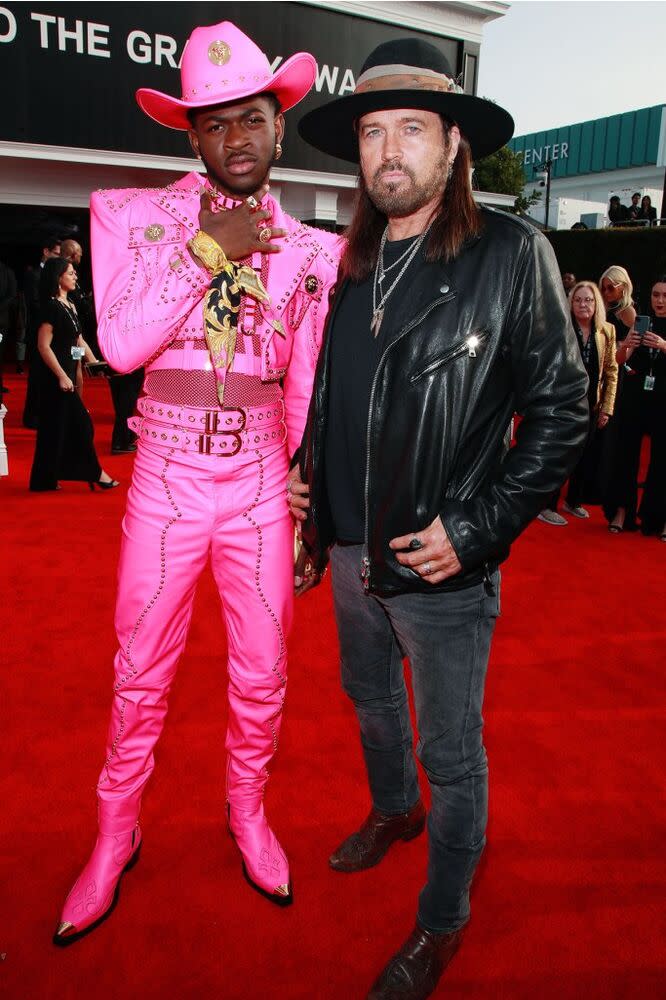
x=265 y=234
x=427 y=569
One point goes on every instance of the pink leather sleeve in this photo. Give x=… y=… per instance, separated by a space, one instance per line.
x=142 y=300
x=307 y=344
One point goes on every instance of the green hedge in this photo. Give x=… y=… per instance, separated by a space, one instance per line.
x=587 y=253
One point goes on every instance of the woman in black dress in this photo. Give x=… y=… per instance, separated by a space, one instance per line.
x=617 y=292
x=642 y=411
x=64 y=448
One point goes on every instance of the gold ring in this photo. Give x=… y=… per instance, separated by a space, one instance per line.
x=252 y=202
x=265 y=234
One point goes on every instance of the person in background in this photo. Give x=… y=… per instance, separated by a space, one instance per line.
x=64 y=446
x=31 y=292
x=617 y=291
x=648 y=213
x=568 y=280
x=82 y=299
x=124 y=388
x=72 y=252
x=617 y=212
x=634 y=209
x=596 y=340
x=642 y=411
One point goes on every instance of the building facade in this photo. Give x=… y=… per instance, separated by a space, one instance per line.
x=590 y=161
x=72 y=124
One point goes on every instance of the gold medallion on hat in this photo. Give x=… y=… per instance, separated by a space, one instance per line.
x=219 y=53
x=154 y=233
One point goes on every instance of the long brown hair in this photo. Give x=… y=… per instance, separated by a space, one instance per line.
x=457 y=220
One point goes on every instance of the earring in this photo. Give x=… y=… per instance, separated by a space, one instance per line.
x=278 y=150
x=449 y=172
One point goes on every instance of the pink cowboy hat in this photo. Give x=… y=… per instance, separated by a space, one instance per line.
x=221 y=65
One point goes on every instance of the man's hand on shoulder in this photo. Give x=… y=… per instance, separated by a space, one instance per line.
x=429 y=553
x=237 y=230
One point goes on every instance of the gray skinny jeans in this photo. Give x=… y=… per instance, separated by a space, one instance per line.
x=446 y=637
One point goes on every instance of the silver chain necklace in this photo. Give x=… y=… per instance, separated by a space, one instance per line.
x=378 y=299
x=384 y=269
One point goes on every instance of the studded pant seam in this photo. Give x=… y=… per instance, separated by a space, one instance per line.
x=247 y=513
x=119 y=734
x=147 y=607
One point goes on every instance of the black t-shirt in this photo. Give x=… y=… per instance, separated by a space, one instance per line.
x=355 y=354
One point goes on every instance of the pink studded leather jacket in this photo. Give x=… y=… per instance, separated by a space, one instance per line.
x=149 y=293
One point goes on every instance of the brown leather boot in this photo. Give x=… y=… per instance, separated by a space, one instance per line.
x=367 y=847
x=414 y=971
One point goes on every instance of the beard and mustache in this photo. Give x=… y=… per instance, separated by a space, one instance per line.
x=399 y=200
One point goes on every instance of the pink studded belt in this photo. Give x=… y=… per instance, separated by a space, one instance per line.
x=210 y=432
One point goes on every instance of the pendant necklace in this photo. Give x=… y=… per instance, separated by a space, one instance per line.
x=379 y=298
x=73 y=315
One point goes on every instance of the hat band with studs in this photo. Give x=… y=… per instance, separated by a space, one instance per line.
x=399 y=77
x=217 y=86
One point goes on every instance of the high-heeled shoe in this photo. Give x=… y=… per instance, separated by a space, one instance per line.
x=94 y=895
x=265 y=865
x=111 y=485
x=616 y=526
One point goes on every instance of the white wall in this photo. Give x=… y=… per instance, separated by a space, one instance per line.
x=595 y=190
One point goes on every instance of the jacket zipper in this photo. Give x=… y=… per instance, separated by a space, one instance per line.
x=468 y=346
x=365 y=560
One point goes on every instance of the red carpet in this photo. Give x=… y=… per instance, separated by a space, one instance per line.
x=569 y=901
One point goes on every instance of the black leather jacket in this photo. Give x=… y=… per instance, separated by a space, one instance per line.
x=479 y=339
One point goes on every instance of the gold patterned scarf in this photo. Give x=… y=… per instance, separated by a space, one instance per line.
x=221 y=308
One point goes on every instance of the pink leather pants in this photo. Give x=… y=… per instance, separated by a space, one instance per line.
x=182 y=509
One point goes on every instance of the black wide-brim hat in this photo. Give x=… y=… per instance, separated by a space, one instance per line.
x=406 y=73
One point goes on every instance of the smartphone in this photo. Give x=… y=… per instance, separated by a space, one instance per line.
x=642 y=325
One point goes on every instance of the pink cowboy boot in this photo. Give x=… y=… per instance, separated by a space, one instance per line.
x=95 y=893
x=265 y=864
